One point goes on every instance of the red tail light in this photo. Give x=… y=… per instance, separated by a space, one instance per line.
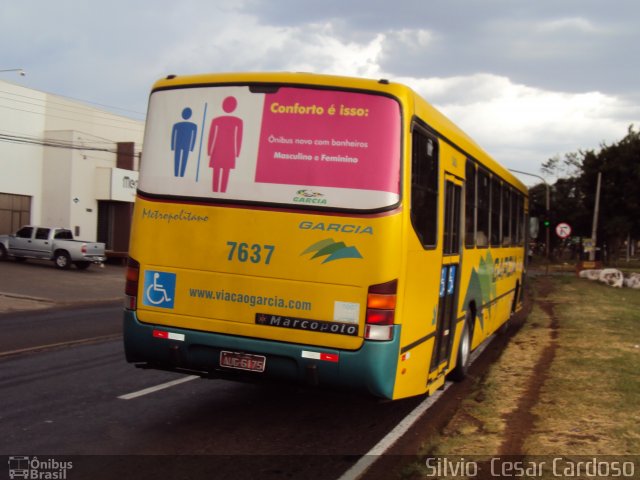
x=83 y=249
x=381 y=311
x=131 y=285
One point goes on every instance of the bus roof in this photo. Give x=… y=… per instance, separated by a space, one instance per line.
x=435 y=119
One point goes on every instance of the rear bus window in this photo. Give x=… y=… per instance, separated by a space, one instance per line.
x=326 y=149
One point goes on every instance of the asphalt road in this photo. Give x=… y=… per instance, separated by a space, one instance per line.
x=24 y=332
x=66 y=400
x=66 y=391
x=37 y=284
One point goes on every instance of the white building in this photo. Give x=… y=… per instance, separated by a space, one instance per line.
x=64 y=163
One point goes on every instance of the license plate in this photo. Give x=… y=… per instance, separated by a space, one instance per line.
x=243 y=361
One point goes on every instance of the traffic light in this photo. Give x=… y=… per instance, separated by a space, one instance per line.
x=545 y=221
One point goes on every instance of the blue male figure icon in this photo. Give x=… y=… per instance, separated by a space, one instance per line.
x=183 y=140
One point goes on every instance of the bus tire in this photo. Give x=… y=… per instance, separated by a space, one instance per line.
x=464 y=353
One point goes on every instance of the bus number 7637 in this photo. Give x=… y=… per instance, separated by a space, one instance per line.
x=254 y=253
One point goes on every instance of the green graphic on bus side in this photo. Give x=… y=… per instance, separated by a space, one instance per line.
x=332 y=250
x=482 y=287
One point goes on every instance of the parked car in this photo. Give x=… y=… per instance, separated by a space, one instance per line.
x=50 y=243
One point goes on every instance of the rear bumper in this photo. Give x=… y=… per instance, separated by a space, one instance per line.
x=371 y=368
x=93 y=259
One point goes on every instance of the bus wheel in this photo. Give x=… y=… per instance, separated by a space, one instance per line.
x=464 y=352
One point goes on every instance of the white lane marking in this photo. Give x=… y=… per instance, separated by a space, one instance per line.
x=364 y=463
x=162 y=386
x=69 y=343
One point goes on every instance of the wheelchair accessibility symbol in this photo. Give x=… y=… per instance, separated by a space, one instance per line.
x=159 y=289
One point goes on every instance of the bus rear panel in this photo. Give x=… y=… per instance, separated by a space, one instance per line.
x=266 y=218
x=314 y=229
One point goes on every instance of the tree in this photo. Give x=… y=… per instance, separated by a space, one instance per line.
x=620 y=191
x=573 y=194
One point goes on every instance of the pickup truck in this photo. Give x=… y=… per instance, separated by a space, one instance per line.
x=50 y=243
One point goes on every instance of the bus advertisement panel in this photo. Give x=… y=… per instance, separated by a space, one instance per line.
x=324 y=148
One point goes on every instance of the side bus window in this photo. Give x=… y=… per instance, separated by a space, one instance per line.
x=424 y=187
x=470 y=204
x=453 y=195
x=496 y=196
x=521 y=220
x=507 y=238
x=484 y=200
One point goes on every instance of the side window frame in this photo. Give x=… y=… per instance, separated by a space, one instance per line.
x=506 y=239
x=451 y=223
x=425 y=185
x=495 y=229
x=483 y=204
x=470 y=204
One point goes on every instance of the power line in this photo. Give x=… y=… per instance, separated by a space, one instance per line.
x=47 y=104
x=55 y=107
x=51 y=143
x=25 y=140
x=68 y=118
x=79 y=100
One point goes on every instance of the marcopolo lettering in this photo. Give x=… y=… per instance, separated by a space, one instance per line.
x=336 y=227
x=307 y=324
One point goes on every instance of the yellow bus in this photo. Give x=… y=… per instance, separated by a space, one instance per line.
x=318 y=229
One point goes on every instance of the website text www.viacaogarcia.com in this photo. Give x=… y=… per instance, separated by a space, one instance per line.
x=251 y=300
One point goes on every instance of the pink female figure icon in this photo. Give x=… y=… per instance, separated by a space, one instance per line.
x=225 y=140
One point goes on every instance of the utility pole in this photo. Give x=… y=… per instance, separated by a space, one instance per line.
x=594 y=229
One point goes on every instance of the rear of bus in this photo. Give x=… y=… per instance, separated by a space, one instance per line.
x=266 y=235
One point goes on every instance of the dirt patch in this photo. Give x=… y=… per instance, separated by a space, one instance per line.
x=450 y=416
x=563 y=381
x=521 y=421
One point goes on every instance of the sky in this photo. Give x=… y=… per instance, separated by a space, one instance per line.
x=527 y=79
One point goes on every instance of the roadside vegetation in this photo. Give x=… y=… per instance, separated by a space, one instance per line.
x=572 y=199
x=566 y=384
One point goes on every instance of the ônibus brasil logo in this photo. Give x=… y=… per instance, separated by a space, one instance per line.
x=332 y=250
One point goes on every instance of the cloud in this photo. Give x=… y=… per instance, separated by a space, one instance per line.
x=243 y=43
x=562 y=25
x=527 y=80
x=521 y=125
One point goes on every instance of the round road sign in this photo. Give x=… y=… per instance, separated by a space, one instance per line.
x=563 y=230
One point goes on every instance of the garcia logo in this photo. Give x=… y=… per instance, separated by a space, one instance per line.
x=335 y=227
x=309 y=196
x=332 y=250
